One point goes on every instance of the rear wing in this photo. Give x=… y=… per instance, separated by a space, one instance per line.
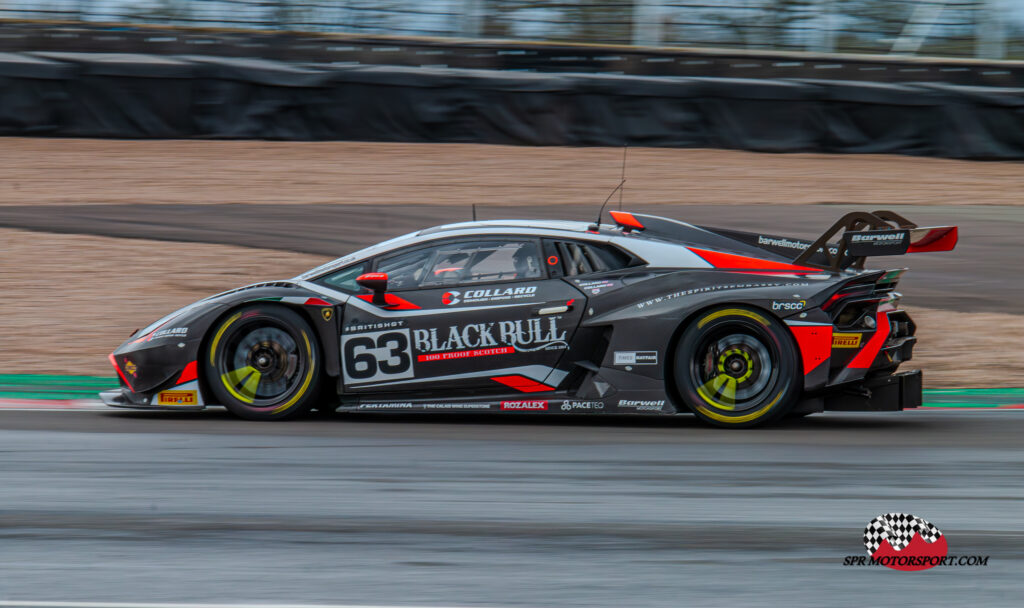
x=872 y=234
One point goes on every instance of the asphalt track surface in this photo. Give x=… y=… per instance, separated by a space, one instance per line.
x=501 y=511
x=982 y=275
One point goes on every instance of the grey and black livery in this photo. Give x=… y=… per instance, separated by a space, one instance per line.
x=646 y=316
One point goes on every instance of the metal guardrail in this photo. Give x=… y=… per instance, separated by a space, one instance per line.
x=992 y=29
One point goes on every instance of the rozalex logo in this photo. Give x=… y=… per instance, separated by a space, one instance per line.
x=902 y=541
x=450 y=297
x=524 y=405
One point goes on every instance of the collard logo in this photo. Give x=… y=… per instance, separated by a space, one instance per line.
x=474 y=296
x=130 y=367
x=904 y=542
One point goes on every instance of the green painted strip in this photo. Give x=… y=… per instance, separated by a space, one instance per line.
x=48 y=380
x=47 y=386
x=974 y=391
x=50 y=386
x=48 y=396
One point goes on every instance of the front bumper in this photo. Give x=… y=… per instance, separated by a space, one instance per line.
x=123 y=398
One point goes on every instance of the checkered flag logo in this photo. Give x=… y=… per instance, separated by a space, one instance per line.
x=899 y=530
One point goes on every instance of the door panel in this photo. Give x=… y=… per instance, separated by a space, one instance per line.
x=462 y=337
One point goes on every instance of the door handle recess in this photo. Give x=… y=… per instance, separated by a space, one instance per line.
x=553 y=310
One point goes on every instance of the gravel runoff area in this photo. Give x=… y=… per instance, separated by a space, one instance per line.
x=43 y=171
x=70 y=299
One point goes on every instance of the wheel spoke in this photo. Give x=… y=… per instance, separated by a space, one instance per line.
x=243 y=382
x=720 y=391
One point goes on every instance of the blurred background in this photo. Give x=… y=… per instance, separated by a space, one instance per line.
x=990 y=29
x=155 y=152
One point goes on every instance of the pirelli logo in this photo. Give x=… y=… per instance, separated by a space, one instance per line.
x=846 y=340
x=176 y=398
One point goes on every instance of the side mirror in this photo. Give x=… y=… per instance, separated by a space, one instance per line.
x=377 y=282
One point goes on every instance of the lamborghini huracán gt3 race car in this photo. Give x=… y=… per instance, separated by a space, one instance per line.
x=647 y=316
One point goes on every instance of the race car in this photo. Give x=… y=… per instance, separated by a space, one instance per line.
x=648 y=315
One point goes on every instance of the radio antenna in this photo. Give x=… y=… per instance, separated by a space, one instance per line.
x=625 y=147
x=622 y=182
x=474 y=212
x=597 y=223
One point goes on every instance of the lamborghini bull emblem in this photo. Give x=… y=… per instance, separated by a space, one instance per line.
x=327 y=313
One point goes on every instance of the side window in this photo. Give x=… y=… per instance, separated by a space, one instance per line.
x=345 y=279
x=406 y=270
x=586 y=258
x=471 y=262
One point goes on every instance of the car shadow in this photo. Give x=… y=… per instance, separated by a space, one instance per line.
x=814 y=423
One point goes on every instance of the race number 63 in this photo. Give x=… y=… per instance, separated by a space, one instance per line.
x=377 y=356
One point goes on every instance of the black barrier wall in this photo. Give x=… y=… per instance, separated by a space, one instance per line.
x=162 y=96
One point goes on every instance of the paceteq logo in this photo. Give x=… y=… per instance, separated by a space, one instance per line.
x=902 y=541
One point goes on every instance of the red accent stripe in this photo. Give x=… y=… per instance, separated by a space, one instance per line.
x=815 y=342
x=775 y=273
x=719 y=259
x=316 y=302
x=869 y=352
x=189 y=374
x=113 y=362
x=522 y=384
x=835 y=297
x=392 y=302
x=938 y=239
x=626 y=219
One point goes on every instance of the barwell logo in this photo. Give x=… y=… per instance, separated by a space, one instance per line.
x=894 y=236
x=788 y=244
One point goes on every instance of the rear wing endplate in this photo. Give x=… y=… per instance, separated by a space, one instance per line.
x=872 y=234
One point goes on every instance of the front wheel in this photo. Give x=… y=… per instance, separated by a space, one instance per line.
x=262 y=363
x=737 y=367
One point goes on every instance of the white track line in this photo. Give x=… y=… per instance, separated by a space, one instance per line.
x=55 y=405
x=39 y=604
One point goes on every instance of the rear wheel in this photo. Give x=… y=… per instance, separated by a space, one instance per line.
x=262 y=363
x=737 y=367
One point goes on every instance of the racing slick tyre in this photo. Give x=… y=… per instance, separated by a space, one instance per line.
x=737 y=367
x=262 y=363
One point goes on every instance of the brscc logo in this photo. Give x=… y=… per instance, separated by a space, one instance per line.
x=450 y=297
x=904 y=542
